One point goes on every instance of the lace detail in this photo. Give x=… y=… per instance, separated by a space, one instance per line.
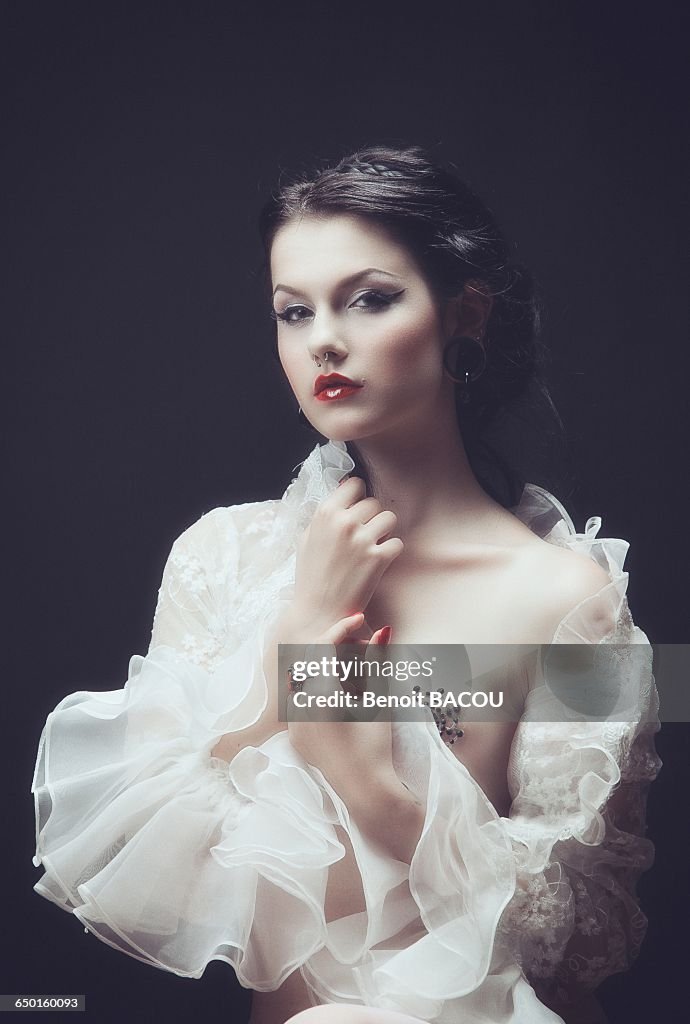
x=577 y=822
x=555 y=908
x=194 y=858
x=186 y=617
x=642 y=762
x=216 y=582
x=221 y=769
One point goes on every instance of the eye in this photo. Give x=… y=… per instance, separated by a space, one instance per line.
x=286 y=315
x=378 y=300
x=375 y=302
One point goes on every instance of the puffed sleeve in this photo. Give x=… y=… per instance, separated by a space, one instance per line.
x=161 y=850
x=583 y=760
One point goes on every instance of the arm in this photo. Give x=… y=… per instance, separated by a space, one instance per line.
x=607 y=926
x=577 y=818
x=393 y=818
x=164 y=851
x=355 y=758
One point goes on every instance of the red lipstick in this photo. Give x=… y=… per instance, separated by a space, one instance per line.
x=333 y=386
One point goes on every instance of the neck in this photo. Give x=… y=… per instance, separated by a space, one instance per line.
x=424 y=476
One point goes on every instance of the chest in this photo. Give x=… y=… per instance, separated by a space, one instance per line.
x=489 y=605
x=494 y=598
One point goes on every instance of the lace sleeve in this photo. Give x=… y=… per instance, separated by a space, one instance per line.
x=577 y=821
x=163 y=851
x=189 y=614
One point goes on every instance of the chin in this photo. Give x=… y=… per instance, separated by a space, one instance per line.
x=343 y=428
x=355 y=425
x=338 y=429
x=333 y=434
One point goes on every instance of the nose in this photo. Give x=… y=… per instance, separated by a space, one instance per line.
x=325 y=344
x=328 y=352
x=326 y=358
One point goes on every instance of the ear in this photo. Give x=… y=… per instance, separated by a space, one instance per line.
x=452 y=316
x=468 y=313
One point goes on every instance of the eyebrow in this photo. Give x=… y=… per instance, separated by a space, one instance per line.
x=346 y=280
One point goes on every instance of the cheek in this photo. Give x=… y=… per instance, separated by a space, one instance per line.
x=289 y=365
x=289 y=358
x=408 y=345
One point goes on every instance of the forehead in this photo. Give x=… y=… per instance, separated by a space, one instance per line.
x=311 y=247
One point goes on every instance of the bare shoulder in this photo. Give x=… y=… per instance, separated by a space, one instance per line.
x=559 y=574
x=576 y=575
x=558 y=581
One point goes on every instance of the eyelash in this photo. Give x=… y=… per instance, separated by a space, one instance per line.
x=382 y=301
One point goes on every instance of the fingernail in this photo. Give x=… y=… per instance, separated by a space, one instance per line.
x=342 y=481
x=386 y=633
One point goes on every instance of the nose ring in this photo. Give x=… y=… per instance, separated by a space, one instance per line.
x=325 y=359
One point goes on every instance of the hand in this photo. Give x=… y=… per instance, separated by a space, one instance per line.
x=355 y=755
x=341 y=556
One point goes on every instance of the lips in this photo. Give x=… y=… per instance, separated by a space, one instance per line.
x=332 y=380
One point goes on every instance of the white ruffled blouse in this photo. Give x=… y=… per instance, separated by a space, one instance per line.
x=178 y=858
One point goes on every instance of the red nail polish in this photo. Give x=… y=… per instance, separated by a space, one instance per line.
x=386 y=634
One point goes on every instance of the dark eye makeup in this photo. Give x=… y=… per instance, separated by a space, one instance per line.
x=378 y=301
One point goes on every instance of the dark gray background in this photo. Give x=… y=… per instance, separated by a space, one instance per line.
x=141 y=139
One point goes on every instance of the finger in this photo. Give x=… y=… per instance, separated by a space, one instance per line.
x=349 y=490
x=381 y=525
x=379 y=642
x=327 y=681
x=365 y=509
x=363 y=632
x=377 y=652
x=392 y=547
x=368 y=677
x=343 y=628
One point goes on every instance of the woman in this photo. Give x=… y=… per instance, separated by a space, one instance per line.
x=478 y=871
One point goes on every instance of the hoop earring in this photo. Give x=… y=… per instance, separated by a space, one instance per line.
x=469 y=362
x=302 y=419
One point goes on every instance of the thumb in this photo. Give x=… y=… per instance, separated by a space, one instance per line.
x=338 y=633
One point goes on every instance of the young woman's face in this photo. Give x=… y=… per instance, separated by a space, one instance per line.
x=343 y=285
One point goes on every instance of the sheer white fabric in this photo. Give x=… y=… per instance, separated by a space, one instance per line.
x=178 y=858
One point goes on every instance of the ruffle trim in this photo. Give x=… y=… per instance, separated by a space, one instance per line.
x=563 y=772
x=178 y=858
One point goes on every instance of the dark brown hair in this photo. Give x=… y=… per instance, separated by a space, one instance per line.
x=454 y=238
